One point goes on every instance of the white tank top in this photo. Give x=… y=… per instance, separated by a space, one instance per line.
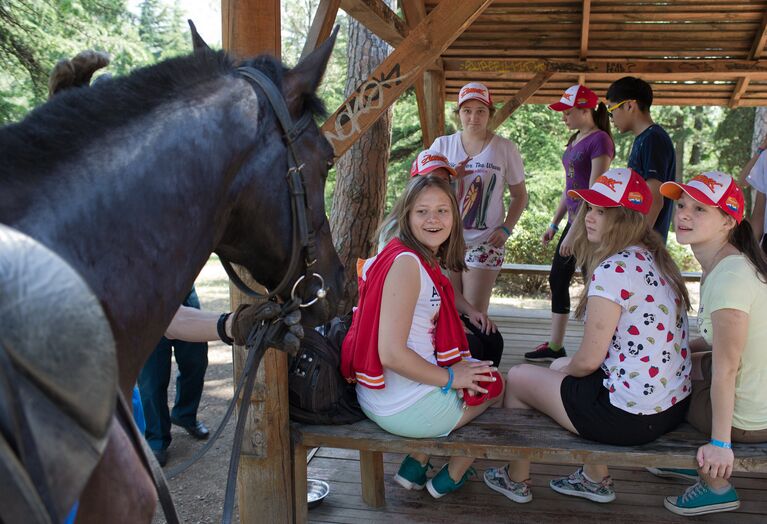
x=401 y=392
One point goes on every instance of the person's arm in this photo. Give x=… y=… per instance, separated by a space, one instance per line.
x=195 y=325
x=750 y=164
x=476 y=317
x=757 y=215
x=599 y=165
x=657 y=201
x=603 y=317
x=517 y=204
x=559 y=214
x=730 y=333
x=398 y=301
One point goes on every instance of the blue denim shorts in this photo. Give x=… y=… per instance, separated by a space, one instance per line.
x=434 y=415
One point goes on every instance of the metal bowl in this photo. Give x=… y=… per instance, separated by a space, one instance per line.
x=316 y=491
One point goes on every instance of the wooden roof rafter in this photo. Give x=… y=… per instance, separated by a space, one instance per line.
x=756 y=52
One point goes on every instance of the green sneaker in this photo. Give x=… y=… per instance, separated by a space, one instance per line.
x=411 y=474
x=700 y=499
x=441 y=484
x=675 y=473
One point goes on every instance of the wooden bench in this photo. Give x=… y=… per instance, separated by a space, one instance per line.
x=544 y=270
x=501 y=434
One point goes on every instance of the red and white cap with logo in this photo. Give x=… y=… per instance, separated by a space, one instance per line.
x=617 y=187
x=427 y=161
x=475 y=91
x=576 y=96
x=712 y=188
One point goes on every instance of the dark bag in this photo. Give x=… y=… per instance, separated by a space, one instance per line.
x=317 y=392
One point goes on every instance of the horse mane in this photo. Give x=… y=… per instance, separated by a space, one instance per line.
x=76 y=117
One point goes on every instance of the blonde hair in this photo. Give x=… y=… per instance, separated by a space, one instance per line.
x=450 y=254
x=623 y=228
x=76 y=72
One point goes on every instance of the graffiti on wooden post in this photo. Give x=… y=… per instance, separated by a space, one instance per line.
x=369 y=96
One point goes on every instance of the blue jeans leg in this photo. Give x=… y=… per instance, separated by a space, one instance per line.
x=153 y=383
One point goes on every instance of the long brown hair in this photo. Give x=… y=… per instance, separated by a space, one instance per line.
x=601 y=119
x=450 y=254
x=623 y=228
x=742 y=237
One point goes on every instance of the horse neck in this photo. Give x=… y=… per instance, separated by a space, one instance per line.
x=139 y=221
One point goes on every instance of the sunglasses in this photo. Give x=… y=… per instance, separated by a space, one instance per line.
x=616 y=106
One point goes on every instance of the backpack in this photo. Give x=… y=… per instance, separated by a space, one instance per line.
x=317 y=392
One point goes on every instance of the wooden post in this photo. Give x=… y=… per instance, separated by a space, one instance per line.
x=517 y=100
x=265 y=477
x=372 y=478
x=322 y=25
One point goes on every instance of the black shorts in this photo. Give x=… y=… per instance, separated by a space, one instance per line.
x=587 y=403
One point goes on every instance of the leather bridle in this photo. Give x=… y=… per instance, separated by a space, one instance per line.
x=304 y=241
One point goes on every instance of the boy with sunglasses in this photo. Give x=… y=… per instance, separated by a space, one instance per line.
x=652 y=154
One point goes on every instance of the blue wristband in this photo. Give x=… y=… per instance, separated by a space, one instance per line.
x=554 y=227
x=506 y=230
x=447 y=386
x=721 y=444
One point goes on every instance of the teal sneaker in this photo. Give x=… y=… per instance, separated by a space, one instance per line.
x=411 y=474
x=675 y=473
x=441 y=484
x=700 y=499
x=577 y=485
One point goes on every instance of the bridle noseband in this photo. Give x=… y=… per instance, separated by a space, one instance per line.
x=303 y=231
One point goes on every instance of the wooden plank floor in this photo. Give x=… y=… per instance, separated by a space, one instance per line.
x=640 y=494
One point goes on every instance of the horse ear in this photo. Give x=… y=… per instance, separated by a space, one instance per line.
x=198 y=44
x=304 y=79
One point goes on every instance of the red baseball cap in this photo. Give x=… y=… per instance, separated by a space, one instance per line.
x=427 y=161
x=617 y=187
x=712 y=188
x=475 y=91
x=576 y=96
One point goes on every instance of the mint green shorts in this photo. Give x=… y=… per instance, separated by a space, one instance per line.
x=434 y=415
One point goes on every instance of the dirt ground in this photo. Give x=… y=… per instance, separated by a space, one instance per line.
x=199 y=492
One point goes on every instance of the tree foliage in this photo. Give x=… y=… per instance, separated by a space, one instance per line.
x=35 y=34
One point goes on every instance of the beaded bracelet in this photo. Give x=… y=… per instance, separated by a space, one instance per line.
x=721 y=444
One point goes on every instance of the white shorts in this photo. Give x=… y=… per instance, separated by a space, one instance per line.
x=484 y=256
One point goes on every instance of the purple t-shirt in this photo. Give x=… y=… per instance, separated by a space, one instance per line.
x=577 y=161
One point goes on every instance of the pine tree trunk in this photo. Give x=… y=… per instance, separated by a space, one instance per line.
x=360 y=193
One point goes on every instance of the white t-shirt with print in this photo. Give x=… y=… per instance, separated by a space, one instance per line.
x=400 y=392
x=757 y=179
x=648 y=361
x=480 y=195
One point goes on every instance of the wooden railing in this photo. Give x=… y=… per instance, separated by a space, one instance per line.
x=544 y=269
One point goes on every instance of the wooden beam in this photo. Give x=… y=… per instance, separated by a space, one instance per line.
x=738 y=91
x=434 y=107
x=378 y=18
x=424 y=44
x=265 y=459
x=761 y=38
x=322 y=25
x=715 y=69
x=585 y=28
x=520 y=98
x=415 y=11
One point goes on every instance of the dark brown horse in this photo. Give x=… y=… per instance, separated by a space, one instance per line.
x=136 y=180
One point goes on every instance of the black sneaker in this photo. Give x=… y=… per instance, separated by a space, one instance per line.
x=544 y=353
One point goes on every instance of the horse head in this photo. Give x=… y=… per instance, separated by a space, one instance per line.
x=263 y=196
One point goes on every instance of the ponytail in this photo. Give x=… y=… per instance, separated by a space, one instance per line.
x=602 y=118
x=742 y=237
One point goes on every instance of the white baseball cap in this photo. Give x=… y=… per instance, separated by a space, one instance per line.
x=475 y=91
